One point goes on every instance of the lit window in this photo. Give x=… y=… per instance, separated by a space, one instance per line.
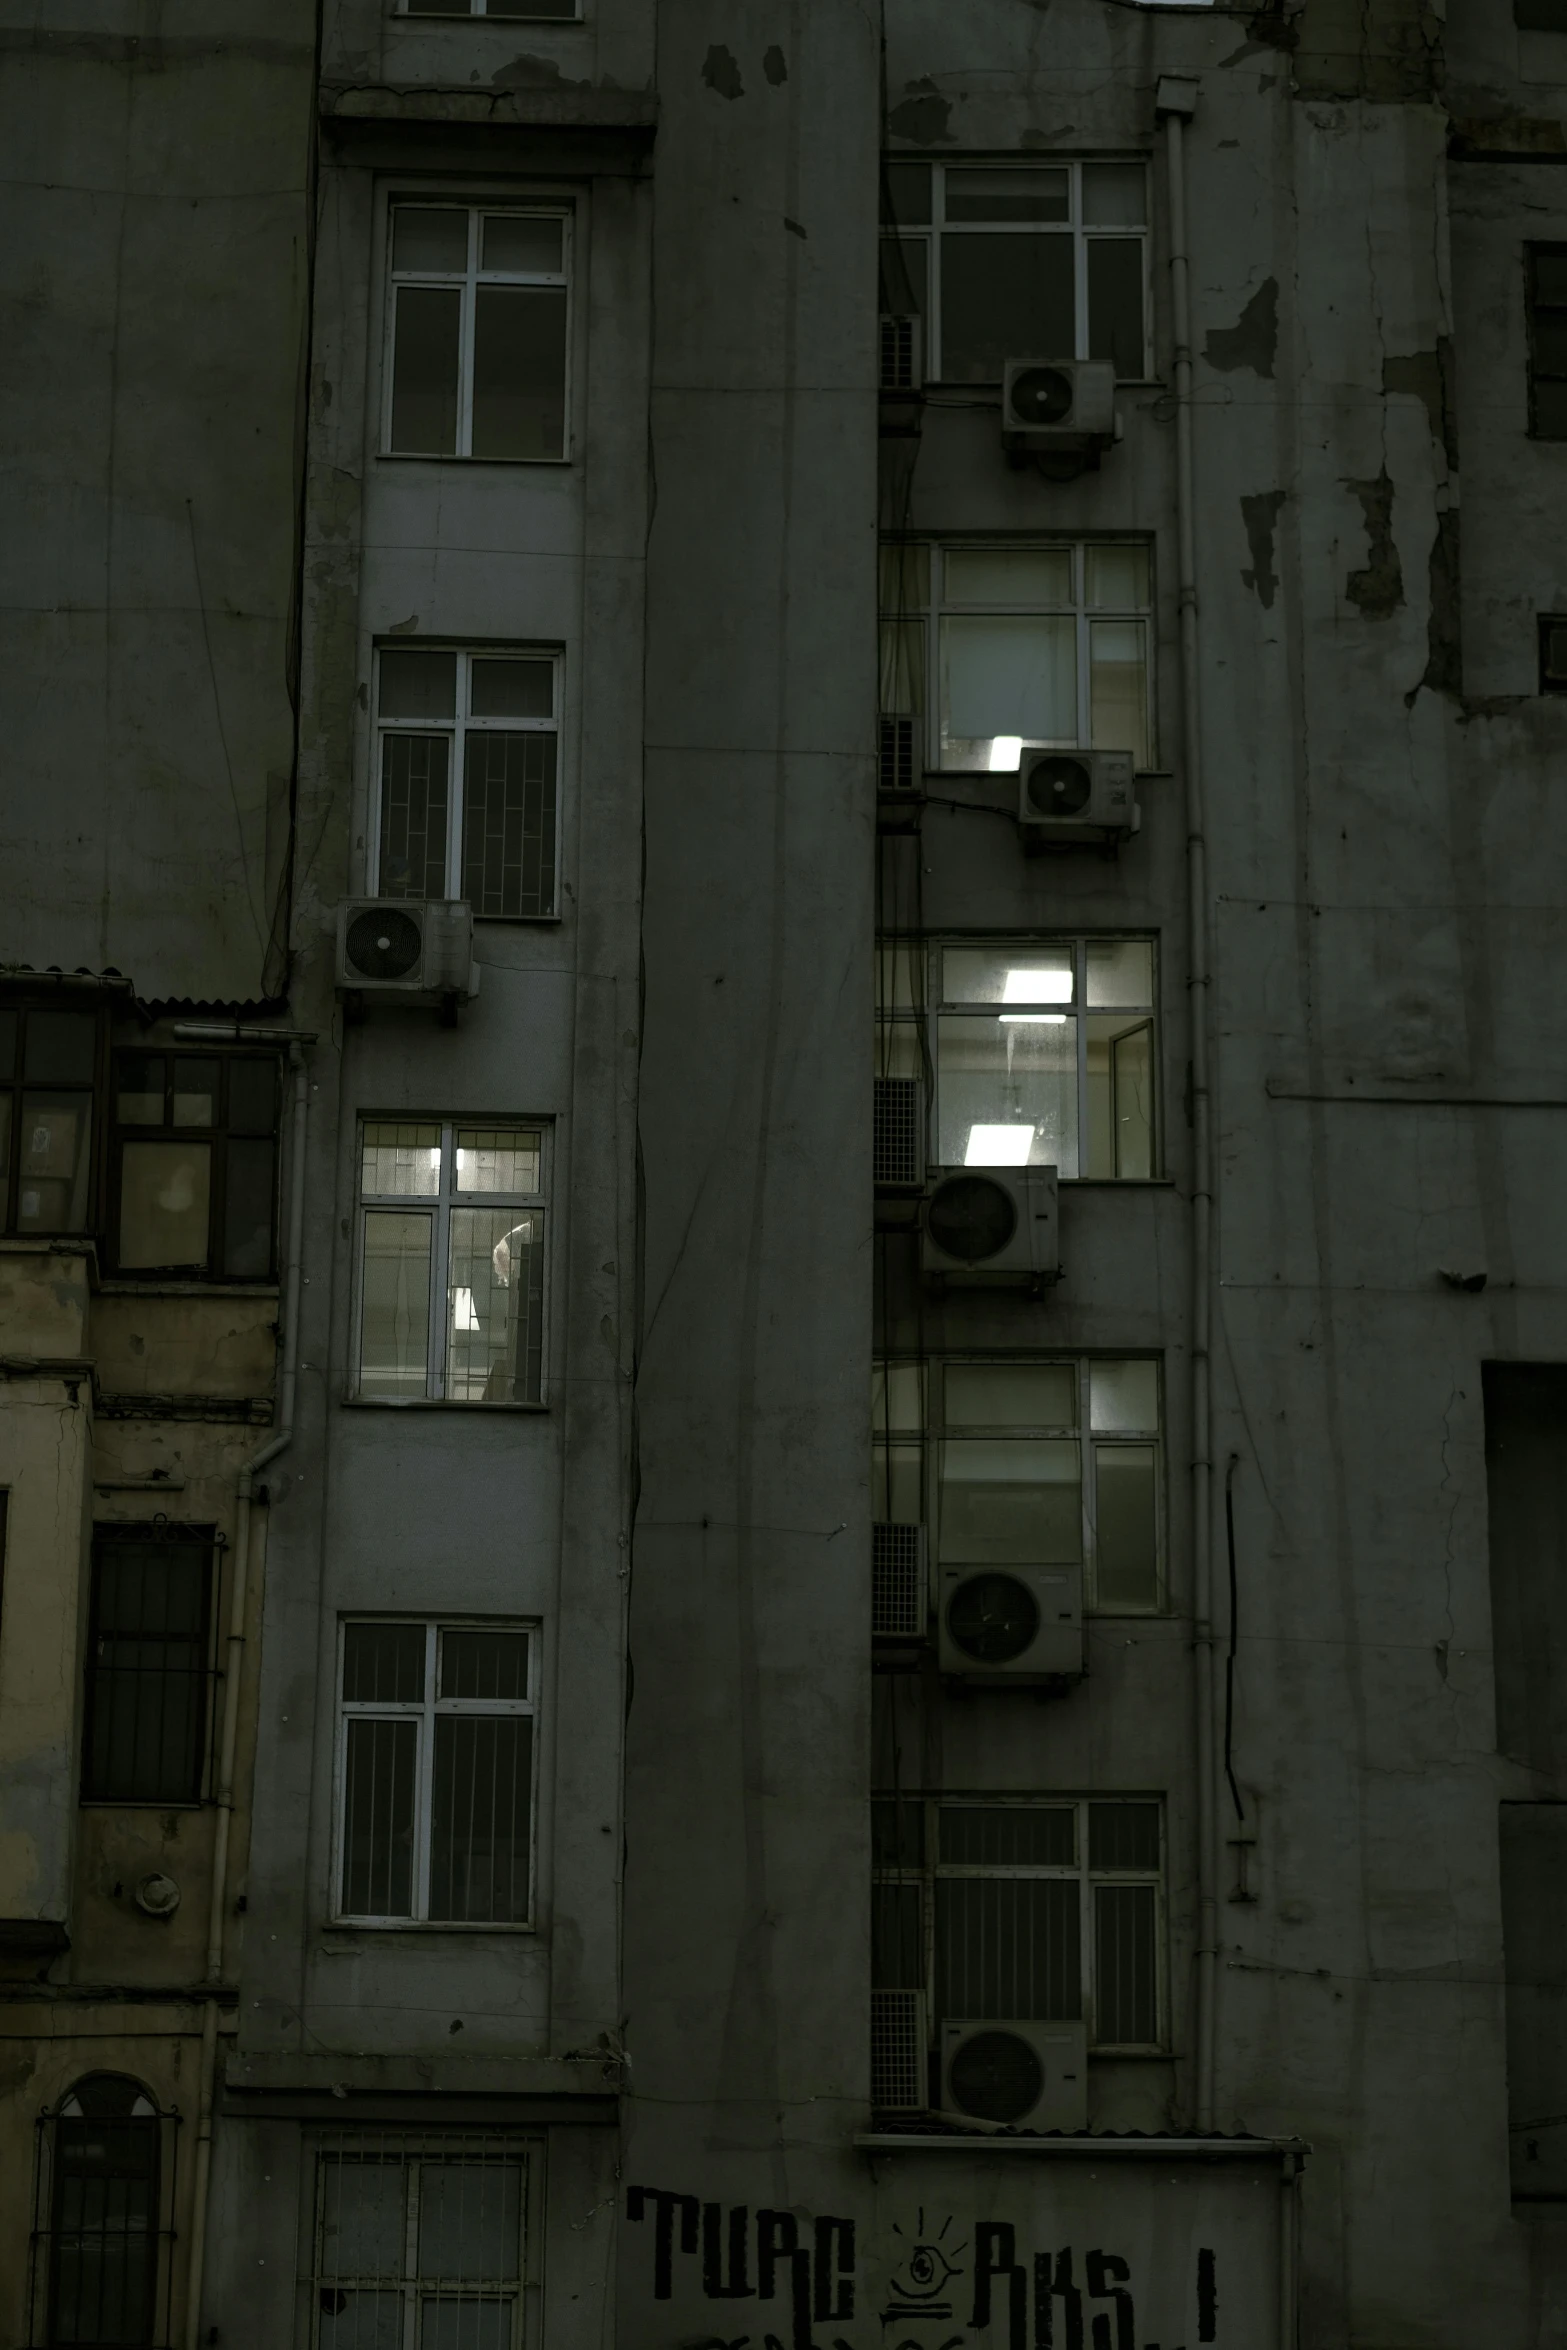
x=986 y=647
x=1023 y=1908
x=1018 y=261
x=49 y=1074
x=436 y=1774
x=420 y=2241
x=451 y=1283
x=477 y=349
x=467 y=778
x=194 y=1164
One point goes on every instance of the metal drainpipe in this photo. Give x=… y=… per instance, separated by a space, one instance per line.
x=282 y=1434
x=1176 y=103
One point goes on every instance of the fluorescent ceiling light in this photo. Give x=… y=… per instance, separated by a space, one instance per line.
x=1037 y=987
x=1006 y=753
x=1034 y=1019
x=998 y=1146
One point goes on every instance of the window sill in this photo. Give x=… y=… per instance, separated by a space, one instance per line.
x=437 y=1926
x=431 y=1403
x=171 y=1285
x=435 y=456
x=144 y=1803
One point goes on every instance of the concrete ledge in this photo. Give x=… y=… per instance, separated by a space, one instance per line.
x=270 y=2073
x=1149 y=2149
x=572 y=128
x=550 y=105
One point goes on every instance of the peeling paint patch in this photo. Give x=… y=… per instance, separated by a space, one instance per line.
x=1390 y=54
x=1505 y=134
x=722 y=73
x=1379 y=589
x=1253 y=339
x=1260 y=514
x=793 y=226
x=530 y=72
x=923 y=116
x=1444 y=670
x=775 y=66
x=1429 y=375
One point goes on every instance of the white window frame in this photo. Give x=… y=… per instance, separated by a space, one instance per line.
x=923 y=1376
x=930 y=233
x=934 y=1869
x=437 y=200
x=910 y=1003
x=481 y=8
x=937 y=608
x=457 y=730
x=438 y=1206
x=408 y=2148
x=425 y=1711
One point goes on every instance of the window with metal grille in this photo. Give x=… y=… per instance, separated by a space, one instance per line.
x=466 y=803
x=421 y=2243
x=900 y=346
x=149 y=1666
x=104 y=2200
x=193 y=1164
x=435 y=1771
x=897 y=1151
x=50 y=1074
x=895 y=769
x=1546 y=295
x=451 y=1266
x=1025 y=260
x=478 y=349
x=1045 y=1908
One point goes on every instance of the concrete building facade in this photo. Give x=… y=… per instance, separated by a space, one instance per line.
x=781 y=1298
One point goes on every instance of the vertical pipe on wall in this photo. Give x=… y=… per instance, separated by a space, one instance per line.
x=1176 y=103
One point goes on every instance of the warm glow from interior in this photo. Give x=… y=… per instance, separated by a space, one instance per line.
x=998 y=1146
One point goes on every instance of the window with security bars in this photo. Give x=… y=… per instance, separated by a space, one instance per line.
x=101 y=2236
x=451 y=1266
x=478 y=351
x=421 y=2243
x=1022 y=1462
x=1036 y=1908
x=435 y=1771
x=467 y=779
x=149 y=1666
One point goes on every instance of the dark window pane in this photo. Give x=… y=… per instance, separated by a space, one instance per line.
x=512 y=689
x=430 y=237
x=904 y=261
x=1550 y=411
x=560 y=8
x=383 y=1664
x=479 y=1817
x=195 y=1091
x=508 y=825
x=146 y=1673
x=8 y=1035
x=897 y=1831
x=519 y=372
x=1115 y=302
x=165 y=1199
x=1115 y=195
x=441 y=8
x=483 y=1664
x=414 y=769
x=418 y=685
x=55 y=1162
x=1550 y=342
x=524 y=241
x=378 y=1819
x=247 y=1210
x=6 y=1102
x=470 y=2225
x=60 y=1048
x=1534 y=1950
x=1123 y=1835
x=1004 y=298
x=1007 y=1835
x=1004 y=194
x=905 y=194
x=140 y=1088
x=424 y=370
x=1540 y=16
x=1550 y=273
x=1126 y=1975
x=103 y=2270
x=253 y=1096
x=897 y=1938
x=1126 y=1539
x=1008 y=1946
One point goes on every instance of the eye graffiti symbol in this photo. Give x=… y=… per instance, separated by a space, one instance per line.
x=926 y=2269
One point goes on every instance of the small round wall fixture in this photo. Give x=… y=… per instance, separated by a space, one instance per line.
x=156 y=1895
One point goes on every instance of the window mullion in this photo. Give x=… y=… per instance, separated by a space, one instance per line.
x=470 y=327
x=424 y=1782
x=459 y=780
x=411 y=2257
x=1085 y=1928
x=1085 y=707
x=934 y=361
x=1080 y=1010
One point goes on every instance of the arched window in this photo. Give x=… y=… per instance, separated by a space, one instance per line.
x=104 y=2216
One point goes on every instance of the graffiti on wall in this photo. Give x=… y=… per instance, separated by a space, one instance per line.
x=944 y=2282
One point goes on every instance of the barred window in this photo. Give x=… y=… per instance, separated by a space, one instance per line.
x=421 y=2241
x=1042 y=1908
x=468 y=779
x=451 y=1289
x=104 y=2200
x=149 y=1667
x=435 y=1769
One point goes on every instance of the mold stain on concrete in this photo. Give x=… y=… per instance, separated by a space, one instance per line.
x=721 y=72
x=1378 y=590
x=1260 y=514
x=1253 y=339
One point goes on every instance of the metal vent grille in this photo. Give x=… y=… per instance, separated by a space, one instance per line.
x=895 y=1147
x=900 y=353
x=897 y=1581
x=895 y=755
x=898 y=2051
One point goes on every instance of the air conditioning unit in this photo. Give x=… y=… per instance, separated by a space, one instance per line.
x=897 y=768
x=1017 y=1624
x=1033 y=2076
x=991 y=1224
x=897 y=1582
x=1074 y=795
x=898 y=1134
x=1064 y=407
x=418 y=949
x=899 y=2080
x=902 y=353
